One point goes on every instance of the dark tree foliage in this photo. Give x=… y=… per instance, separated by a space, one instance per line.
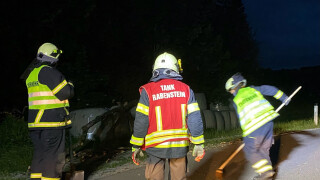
x=109 y=46
x=213 y=40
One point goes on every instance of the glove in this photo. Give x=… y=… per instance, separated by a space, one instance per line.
x=198 y=151
x=135 y=152
x=286 y=101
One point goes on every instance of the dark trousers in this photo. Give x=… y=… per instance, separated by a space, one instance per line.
x=257 y=147
x=48 y=155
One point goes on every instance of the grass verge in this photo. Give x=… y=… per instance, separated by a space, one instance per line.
x=16 y=147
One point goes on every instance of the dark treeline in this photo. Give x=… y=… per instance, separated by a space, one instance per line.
x=109 y=46
x=302 y=104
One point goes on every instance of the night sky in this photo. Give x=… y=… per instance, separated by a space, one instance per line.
x=109 y=47
x=288 y=32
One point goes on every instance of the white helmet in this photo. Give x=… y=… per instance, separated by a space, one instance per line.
x=168 y=61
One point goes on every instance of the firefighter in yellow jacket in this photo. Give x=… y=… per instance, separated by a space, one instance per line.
x=48 y=94
x=256 y=117
x=167 y=118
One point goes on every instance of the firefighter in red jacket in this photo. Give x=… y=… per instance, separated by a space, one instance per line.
x=167 y=119
x=48 y=94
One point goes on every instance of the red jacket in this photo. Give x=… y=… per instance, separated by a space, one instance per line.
x=167 y=113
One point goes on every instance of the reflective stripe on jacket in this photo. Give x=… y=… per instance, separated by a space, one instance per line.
x=167 y=112
x=42 y=98
x=253 y=110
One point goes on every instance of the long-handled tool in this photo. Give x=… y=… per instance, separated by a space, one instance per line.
x=219 y=171
x=288 y=99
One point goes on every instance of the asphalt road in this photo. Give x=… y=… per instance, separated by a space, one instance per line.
x=296 y=156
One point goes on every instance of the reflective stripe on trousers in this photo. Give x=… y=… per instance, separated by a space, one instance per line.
x=257 y=147
x=48 y=155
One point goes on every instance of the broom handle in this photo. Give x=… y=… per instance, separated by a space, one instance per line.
x=242 y=145
x=232 y=155
x=295 y=92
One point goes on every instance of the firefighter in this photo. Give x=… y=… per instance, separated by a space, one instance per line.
x=167 y=119
x=256 y=117
x=48 y=94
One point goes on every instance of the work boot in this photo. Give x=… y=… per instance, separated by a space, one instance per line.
x=265 y=176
